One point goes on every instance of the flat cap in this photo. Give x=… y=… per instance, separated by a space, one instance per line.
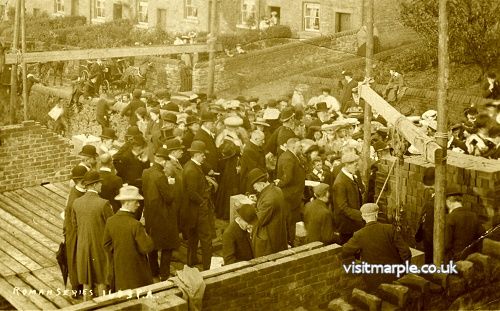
x=349 y=158
x=321 y=189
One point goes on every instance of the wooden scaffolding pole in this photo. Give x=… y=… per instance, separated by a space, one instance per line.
x=441 y=136
x=366 y=160
x=23 y=64
x=13 y=74
x=212 y=47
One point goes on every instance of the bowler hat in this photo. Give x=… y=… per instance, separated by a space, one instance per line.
x=287 y=114
x=369 y=209
x=133 y=131
x=208 y=117
x=173 y=107
x=91 y=177
x=228 y=152
x=137 y=93
x=169 y=117
x=256 y=175
x=380 y=145
x=321 y=189
x=129 y=193
x=198 y=146
x=429 y=176
x=247 y=213
x=190 y=119
x=174 y=144
x=89 y=151
x=321 y=106
x=349 y=158
x=108 y=133
x=453 y=191
x=162 y=152
x=78 y=172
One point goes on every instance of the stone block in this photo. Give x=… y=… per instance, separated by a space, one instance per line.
x=395 y=294
x=466 y=270
x=387 y=306
x=481 y=265
x=455 y=286
x=366 y=301
x=339 y=304
x=491 y=248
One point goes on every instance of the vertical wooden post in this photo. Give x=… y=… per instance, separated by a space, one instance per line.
x=23 y=63
x=13 y=74
x=441 y=136
x=366 y=161
x=211 y=47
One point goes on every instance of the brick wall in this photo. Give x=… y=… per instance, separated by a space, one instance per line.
x=477 y=177
x=30 y=155
x=277 y=62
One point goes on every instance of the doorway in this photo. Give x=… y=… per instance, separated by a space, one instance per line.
x=75 y=10
x=276 y=9
x=161 y=19
x=342 y=22
x=117 y=11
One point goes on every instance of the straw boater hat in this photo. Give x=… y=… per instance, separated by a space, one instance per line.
x=89 y=151
x=233 y=121
x=129 y=193
x=261 y=121
x=198 y=146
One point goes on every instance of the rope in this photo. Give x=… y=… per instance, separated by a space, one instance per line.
x=385 y=182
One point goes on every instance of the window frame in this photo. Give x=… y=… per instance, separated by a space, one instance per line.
x=140 y=13
x=306 y=18
x=190 y=10
x=59 y=7
x=246 y=14
x=101 y=8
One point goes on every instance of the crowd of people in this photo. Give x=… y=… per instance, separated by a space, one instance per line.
x=182 y=160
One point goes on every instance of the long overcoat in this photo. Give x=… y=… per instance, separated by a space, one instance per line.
x=269 y=233
x=213 y=155
x=159 y=211
x=196 y=190
x=89 y=219
x=173 y=169
x=69 y=232
x=346 y=204
x=292 y=176
x=111 y=184
x=252 y=157
x=128 y=244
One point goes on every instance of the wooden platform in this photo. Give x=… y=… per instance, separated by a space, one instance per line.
x=30 y=233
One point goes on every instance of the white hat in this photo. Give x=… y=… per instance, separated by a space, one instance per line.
x=129 y=193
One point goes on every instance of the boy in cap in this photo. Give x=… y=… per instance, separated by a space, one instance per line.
x=236 y=244
x=127 y=244
x=376 y=243
x=318 y=217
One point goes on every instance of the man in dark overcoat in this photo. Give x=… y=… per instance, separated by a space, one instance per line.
x=128 y=244
x=134 y=104
x=192 y=127
x=346 y=99
x=462 y=227
x=252 y=157
x=347 y=198
x=291 y=176
x=111 y=183
x=89 y=218
x=197 y=216
x=69 y=231
x=153 y=132
x=425 y=232
x=206 y=134
x=318 y=217
x=236 y=244
x=377 y=243
x=282 y=134
x=160 y=214
x=269 y=234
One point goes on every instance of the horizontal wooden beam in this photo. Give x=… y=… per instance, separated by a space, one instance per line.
x=404 y=126
x=35 y=57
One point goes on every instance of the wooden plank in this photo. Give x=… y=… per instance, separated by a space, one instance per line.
x=51 y=205
x=10 y=238
x=34 y=229
x=31 y=219
x=49 y=277
x=43 y=288
x=64 y=186
x=5 y=270
x=30 y=237
x=56 y=190
x=14 y=297
x=20 y=252
x=54 y=197
x=41 y=302
x=12 y=263
x=34 y=57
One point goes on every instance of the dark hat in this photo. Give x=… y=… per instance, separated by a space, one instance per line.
x=242 y=99
x=190 y=119
x=137 y=93
x=208 y=117
x=173 y=107
x=162 y=94
x=321 y=106
x=453 y=191
x=78 y=172
x=227 y=152
x=198 y=146
x=162 y=152
x=325 y=89
x=256 y=175
x=108 y=133
x=89 y=151
x=174 y=144
x=91 y=177
x=253 y=99
x=153 y=103
x=247 y=213
x=141 y=111
x=321 y=189
x=380 y=145
x=169 y=117
x=133 y=131
x=311 y=148
x=155 y=110
x=287 y=114
x=429 y=176
x=167 y=133
x=457 y=126
x=256 y=108
x=272 y=103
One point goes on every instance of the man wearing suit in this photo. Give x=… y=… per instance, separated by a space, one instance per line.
x=127 y=244
x=135 y=103
x=89 y=218
x=153 y=132
x=318 y=217
x=269 y=234
x=347 y=198
x=111 y=183
x=206 y=134
x=376 y=243
x=491 y=88
x=282 y=134
x=197 y=215
x=102 y=109
x=236 y=244
x=160 y=214
x=346 y=99
x=461 y=229
x=291 y=176
x=252 y=157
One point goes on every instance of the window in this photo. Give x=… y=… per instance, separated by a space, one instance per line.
x=99 y=9
x=247 y=17
x=190 y=10
x=59 y=6
x=143 y=12
x=311 y=16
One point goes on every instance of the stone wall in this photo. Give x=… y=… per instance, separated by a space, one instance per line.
x=277 y=62
x=165 y=74
x=30 y=155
